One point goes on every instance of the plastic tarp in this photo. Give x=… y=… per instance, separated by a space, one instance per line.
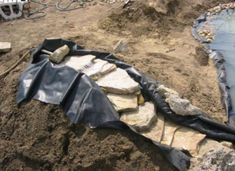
x=222 y=50
x=84 y=102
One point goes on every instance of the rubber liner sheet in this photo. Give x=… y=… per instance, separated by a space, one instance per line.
x=222 y=50
x=84 y=102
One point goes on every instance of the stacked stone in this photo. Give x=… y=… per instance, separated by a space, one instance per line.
x=124 y=94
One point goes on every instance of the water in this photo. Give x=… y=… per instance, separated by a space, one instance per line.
x=223 y=25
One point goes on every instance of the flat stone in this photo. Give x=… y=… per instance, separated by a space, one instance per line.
x=118 y=82
x=182 y=106
x=79 y=62
x=99 y=69
x=141 y=119
x=5 y=47
x=88 y=64
x=156 y=131
x=123 y=103
x=187 y=139
x=169 y=132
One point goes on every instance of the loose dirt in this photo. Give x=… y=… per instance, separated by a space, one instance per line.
x=38 y=136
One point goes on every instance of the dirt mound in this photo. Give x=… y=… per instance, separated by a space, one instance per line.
x=137 y=18
x=37 y=136
x=142 y=17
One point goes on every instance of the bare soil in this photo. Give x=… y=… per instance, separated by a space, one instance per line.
x=38 y=136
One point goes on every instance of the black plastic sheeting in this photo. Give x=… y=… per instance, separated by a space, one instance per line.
x=84 y=102
x=222 y=49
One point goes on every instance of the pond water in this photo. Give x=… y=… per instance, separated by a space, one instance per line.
x=223 y=28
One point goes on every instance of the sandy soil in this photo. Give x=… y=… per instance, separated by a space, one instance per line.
x=37 y=136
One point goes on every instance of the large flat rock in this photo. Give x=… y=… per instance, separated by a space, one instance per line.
x=5 y=47
x=141 y=119
x=187 y=139
x=169 y=132
x=88 y=64
x=79 y=62
x=99 y=69
x=118 y=82
x=156 y=131
x=123 y=103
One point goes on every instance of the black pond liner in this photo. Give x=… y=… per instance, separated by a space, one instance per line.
x=222 y=49
x=84 y=102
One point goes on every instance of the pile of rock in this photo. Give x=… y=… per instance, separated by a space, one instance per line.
x=213 y=156
x=207 y=34
x=219 y=8
x=122 y=91
x=124 y=94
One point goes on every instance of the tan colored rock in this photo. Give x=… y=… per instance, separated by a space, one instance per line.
x=142 y=119
x=123 y=103
x=187 y=139
x=169 y=132
x=94 y=68
x=213 y=156
x=209 y=144
x=166 y=92
x=118 y=82
x=227 y=144
x=177 y=104
x=59 y=54
x=5 y=47
x=79 y=62
x=140 y=99
x=156 y=131
x=99 y=69
x=182 y=106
